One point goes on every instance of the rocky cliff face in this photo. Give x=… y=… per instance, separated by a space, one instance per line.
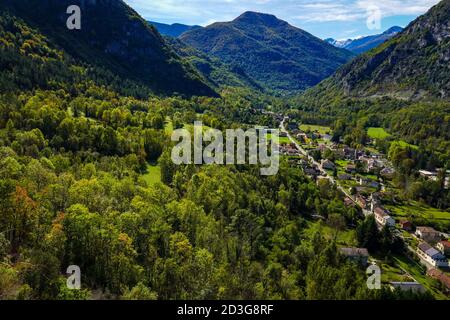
x=412 y=65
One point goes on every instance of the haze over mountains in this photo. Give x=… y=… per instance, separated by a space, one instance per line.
x=172 y=30
x=363 y=44
x=280 y=57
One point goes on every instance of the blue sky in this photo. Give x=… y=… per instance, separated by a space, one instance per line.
x=339 y=19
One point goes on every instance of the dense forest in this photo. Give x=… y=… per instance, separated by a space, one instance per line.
x=76 y=141
x=73 y=193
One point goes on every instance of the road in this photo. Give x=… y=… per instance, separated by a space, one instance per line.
x=315 y=163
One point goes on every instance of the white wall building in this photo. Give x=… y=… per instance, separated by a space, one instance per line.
x=431 y=255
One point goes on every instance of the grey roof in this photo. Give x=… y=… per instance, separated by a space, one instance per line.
x=427 y=230
x=424 y=247
x=355 y=252
x=430 y=251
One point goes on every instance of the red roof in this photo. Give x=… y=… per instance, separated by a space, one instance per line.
x=380 y=211
x=440 y=276
x=446 y=243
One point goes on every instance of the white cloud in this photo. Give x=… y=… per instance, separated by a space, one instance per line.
x=201 y=11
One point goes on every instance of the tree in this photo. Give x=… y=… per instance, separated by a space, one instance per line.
x=140 y=292
x=368 y=235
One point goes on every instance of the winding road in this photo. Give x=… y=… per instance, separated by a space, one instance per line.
x=315 y=163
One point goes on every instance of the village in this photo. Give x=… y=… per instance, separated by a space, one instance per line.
x=364 y=177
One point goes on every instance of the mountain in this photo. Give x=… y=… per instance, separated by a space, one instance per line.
x=216 y=73
x=280 y=57
x=338 y=43
x=402 y=85
x=113 y=38
x=363 y=44
x=414 y=64
x=172 y=30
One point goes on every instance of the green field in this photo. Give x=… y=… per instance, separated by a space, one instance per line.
x=311 y=127
x=283 y=140
x=404 y=144
x=391 y=273
x=419 y=210
x=377 y=133
x=417 y=271
x=345 y=238
x=153 y=174
x=341 y=165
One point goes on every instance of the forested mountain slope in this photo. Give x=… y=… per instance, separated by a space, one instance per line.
x=217 y=73
x=402 y=85
x=172 y=30
x=412 y=65
x=278 y=56
x=113 y=37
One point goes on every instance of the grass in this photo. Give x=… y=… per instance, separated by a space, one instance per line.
x=404 y=144
x=153 y=174
x=391 y=273
x=418 y=209
x=283 y=140
x=417 y=271
x=341 y=166
x=377 y=133
x=380 y=133
x=311 y=127
x=344 y=238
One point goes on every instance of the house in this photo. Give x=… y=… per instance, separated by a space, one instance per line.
x=311 y=172
x=444 y=247
x=387 y=172
x=292 y=126
x=368 y=182
x=302 y=137
x=383 y=218
x=358 y=255
x=407 y=286
x=432 y=256
x=351 y=168
x=349 y=153
x=406 y=225
x=428 y=234
x=375 y=199
x=344 y=176
x=349 y=202
x=441 y=277
x=322 y=147
x=361 y=201
x=429 y=174
x=289 y=149
x=328 y=165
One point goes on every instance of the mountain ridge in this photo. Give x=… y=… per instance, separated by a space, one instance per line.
x=121 y=42
x=174 y=29
x=364 y=44
x=278 y=56
x=411 y=65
